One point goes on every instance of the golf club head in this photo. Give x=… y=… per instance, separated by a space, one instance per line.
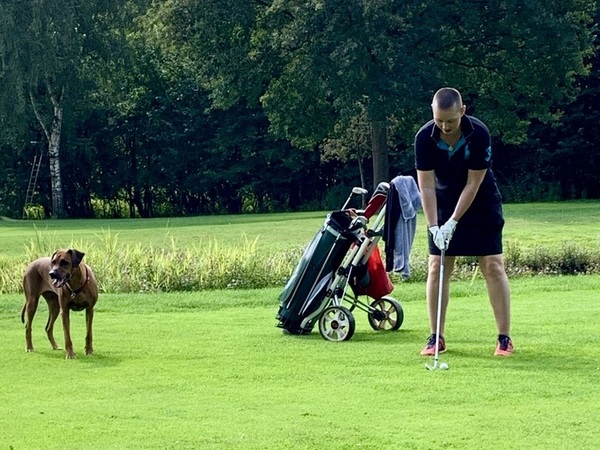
x=382 y=188
x=356 y=190
x=437 y=365
x=432 y=366
x=359 y=222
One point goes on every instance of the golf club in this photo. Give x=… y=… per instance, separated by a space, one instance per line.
x=439 y=313
x=355 y=191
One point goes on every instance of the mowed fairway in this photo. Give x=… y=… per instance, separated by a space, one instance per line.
x=210 y=370
x=528 y=226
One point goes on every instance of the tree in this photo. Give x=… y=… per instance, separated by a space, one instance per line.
x=350 y=143
x=315 y=64
x=43 y=42
x=566 y=154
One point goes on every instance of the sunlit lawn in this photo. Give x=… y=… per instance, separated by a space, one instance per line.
x=211 y=370
x=528 y=225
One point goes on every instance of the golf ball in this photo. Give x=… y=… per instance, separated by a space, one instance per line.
x=444 y=366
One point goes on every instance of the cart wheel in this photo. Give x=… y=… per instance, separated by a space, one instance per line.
x=387 y=314
x=337 y=324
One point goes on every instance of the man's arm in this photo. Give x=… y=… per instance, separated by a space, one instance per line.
x=426 y=181
x=474 y=180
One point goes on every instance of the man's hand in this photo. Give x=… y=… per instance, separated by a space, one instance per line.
x=447 y=230
x=438 y=237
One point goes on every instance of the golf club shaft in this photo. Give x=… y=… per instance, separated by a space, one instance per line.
x=439 y=307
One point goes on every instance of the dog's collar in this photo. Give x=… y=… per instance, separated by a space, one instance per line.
x=77 y=291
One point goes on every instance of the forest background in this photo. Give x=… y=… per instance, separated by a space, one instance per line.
x=141 y=108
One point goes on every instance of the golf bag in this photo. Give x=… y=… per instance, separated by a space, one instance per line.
x=302 y=297
x=343 y=253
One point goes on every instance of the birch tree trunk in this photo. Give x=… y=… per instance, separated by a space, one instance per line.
x=58 y=207
x=53 y=135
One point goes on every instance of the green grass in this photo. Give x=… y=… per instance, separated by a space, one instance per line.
x=259 y=251
x=528 y=225
x=210 y=370
x=297 y=228
x=535 y=225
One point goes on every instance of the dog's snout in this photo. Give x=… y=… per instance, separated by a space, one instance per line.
x=53 y=274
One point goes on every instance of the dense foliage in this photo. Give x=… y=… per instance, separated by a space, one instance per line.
x=144 y=108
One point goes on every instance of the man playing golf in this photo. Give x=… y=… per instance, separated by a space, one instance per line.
x=463 y=209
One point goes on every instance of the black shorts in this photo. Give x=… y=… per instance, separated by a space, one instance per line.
x=472 y=240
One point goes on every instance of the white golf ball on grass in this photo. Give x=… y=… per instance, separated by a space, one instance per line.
x=443 y=366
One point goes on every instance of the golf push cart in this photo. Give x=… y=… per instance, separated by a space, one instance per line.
x=341 y=264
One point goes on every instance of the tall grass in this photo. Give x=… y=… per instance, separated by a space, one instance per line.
x=257 y=251
x=213 y=264
x=210 y=265
x=122 y=268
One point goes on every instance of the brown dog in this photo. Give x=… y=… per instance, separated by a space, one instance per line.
x=67 y=284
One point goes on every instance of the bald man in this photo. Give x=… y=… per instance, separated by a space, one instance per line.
x=463 y=209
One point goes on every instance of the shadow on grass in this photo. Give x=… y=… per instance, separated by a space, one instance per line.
x=98 y=359
x=401 y=336
x=535 y=361
x=544 y=362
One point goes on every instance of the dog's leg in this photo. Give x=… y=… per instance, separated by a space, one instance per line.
x=31 y=304
x=30 y=309
x=53 y=312
x=89 y=318
x=64 y=311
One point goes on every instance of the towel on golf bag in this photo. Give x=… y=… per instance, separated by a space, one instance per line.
x=403 y=202
x=374 y=282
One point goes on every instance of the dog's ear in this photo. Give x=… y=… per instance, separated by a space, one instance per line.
x=76 y=257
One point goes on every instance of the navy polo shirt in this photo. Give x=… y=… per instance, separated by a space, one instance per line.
x=451 y=165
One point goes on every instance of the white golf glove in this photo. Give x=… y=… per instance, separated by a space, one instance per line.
x=438 y=237
x=447 y=230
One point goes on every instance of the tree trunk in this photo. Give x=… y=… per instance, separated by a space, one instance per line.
x=58 y=202
x=53 y=135
x=135 y=201
x=379 y=152
x=58 y=208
